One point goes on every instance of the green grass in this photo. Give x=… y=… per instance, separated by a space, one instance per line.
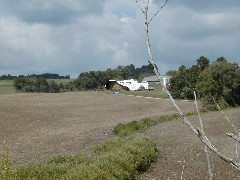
x=118 y=158
x=140 y=126
x=6 y=87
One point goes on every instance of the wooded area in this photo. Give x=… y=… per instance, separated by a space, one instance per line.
x=219 y=80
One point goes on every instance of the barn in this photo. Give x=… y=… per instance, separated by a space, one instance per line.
x=114 y=85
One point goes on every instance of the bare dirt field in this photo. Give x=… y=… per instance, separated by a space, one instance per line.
x=181 y=149
x=34 y=127
x=37 y=126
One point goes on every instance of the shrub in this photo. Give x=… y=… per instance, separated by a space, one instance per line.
x=130 y=155
x=119 y=158
x=139 y=126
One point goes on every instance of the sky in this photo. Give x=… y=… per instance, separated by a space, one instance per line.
x=73 y=36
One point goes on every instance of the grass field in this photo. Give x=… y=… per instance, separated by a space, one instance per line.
x=6 y=87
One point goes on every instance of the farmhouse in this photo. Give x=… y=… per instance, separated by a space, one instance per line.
x=114 y=85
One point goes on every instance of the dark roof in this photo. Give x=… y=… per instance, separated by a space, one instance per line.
x=154 y=78
x=110 y=84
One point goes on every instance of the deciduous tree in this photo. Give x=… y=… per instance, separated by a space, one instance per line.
x=221 y=81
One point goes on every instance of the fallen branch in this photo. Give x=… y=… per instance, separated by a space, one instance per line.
x=236 y=138
x=183 y=168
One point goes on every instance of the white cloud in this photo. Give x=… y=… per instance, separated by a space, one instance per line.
x=25 y=46
x=69 y=37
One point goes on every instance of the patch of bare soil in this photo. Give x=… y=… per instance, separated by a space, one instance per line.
x=181 y=149
x=37 y=126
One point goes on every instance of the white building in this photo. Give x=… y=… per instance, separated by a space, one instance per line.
x=133 y=85
x=165 y=79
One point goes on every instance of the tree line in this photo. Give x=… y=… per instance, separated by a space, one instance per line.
x=93 y=79
x=217 y=81
x=7 y=77
x=44 y=75
x=85 y=81
x=32 y=84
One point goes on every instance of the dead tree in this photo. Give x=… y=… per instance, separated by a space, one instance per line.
x=144 y=7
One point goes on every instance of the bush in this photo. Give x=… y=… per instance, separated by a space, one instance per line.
x=130 y=154
x=30 y=84
x=53 y=87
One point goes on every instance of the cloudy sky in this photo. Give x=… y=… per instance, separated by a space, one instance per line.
x=73 y=36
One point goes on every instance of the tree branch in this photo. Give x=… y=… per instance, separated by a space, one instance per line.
x=157 y=11
x=233 y=162
x=235 y=129
x=140 y=6
x=206 y=149
x=225 y=116
x=197 y=131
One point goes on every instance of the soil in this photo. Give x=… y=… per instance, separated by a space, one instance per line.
x=182 y=154
x=37 y=126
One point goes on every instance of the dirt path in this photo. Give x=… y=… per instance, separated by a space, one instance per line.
x=36 y=126
x=177 y=145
